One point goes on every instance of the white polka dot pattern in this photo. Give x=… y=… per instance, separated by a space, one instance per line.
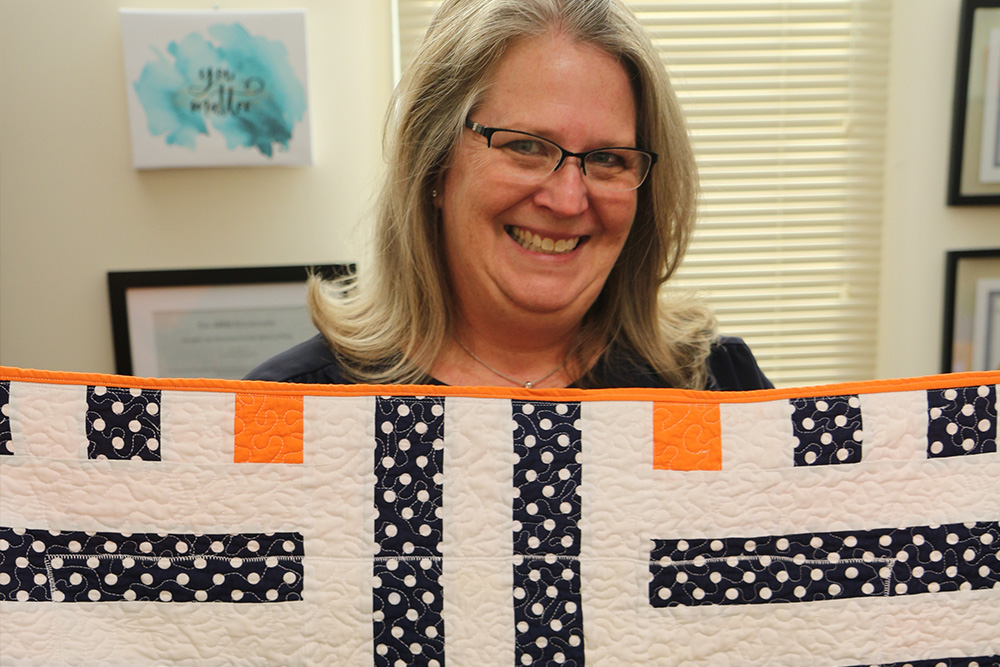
x=978 y=661
x=548 y=611
x=822 y=566
x=962 y=421
x=828 y=430
x=5 y=433
x=511 y=528
x=407 y=594
x=60 y=566
x=123 y=423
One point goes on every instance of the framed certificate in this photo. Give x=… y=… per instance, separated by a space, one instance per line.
x=972 y=311
x=974 y=175
x=214 y=323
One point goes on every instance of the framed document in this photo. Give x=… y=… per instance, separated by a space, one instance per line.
x=215 y=323
x=974 y=174
x=986 y=326
x=972 y=311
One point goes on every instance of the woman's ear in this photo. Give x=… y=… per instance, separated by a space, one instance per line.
x=437 y=192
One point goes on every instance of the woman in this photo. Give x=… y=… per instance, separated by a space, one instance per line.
x=541 y=189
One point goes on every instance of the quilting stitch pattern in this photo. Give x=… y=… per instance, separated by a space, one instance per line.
x=59 y=566
x=822 y=566
x=828 y=430
x=548 y=612
x=123 y=423
x=978 y=661
x=408 y=598
x=937 y=561
x=5 y=433
x=962 y=421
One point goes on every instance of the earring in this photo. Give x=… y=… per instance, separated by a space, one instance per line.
x=434 y=194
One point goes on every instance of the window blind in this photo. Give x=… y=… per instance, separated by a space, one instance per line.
x=786 y=105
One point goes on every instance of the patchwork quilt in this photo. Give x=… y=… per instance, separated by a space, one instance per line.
x=151 y=521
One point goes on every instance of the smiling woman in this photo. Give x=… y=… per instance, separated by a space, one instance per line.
x=503 y=287
x=540 y=191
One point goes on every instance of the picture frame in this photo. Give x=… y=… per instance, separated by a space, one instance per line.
x=216 y=88
x=971 y=340
x=213 y=323
x=974 y=172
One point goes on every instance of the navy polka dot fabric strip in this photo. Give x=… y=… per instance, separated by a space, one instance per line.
x=978 y=661
x=5 y=434
x=408 y=598
x=962 y=421
x=824 y=566
x=54 y=566
x=548 y=613
x=828 y=431
x=123 y=423
x=768 y=515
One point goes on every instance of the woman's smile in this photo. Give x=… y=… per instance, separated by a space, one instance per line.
x=543 y=244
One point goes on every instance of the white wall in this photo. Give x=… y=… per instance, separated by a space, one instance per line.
x=918 y=227
x=72 y=208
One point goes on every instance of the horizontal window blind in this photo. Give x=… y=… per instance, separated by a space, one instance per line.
x=786 y=106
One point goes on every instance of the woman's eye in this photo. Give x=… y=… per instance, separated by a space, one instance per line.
x=525 y=147
x=606 y=160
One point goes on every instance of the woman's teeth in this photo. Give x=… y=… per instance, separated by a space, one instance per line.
x=536 y=243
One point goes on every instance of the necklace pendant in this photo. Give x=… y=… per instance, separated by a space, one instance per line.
x=527 y=385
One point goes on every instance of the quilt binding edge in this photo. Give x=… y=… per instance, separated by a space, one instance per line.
x=943 y=381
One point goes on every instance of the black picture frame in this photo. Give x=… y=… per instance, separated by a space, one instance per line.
x=168 y=287
x=964 y=186
x=963 y=269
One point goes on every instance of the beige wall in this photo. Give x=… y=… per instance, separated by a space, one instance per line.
x=72 y=208
x=918 y=227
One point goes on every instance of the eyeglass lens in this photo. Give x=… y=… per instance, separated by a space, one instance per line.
x=531 y=157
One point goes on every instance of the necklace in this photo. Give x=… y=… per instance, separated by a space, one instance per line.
x=527 y=385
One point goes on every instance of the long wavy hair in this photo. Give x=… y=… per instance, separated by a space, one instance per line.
x=391 y=324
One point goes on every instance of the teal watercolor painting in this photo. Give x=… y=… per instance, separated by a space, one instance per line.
x=210 y=88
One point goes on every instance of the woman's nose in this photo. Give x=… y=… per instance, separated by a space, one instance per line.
x=564 y=191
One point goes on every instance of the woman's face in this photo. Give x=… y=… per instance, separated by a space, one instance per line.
x=580 y=98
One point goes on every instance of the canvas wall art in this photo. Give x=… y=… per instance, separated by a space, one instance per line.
x=216 y=88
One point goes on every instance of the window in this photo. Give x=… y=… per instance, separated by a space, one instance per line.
x=786 y=105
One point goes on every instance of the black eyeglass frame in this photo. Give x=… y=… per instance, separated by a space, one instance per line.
x=488 y=132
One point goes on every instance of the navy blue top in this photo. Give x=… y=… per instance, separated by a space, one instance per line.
x=732 y=367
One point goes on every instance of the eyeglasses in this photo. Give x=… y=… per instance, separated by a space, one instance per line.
x=531 y=157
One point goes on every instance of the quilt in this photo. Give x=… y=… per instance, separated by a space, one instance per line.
x=153 y=521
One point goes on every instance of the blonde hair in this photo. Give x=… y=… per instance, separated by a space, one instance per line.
x=391 y=326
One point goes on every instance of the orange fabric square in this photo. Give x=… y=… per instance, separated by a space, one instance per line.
x=687 y=436
x=268 y=429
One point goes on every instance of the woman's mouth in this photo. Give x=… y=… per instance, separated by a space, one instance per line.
x=543 y=244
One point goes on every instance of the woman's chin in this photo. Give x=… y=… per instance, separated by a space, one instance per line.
x=551 y=297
